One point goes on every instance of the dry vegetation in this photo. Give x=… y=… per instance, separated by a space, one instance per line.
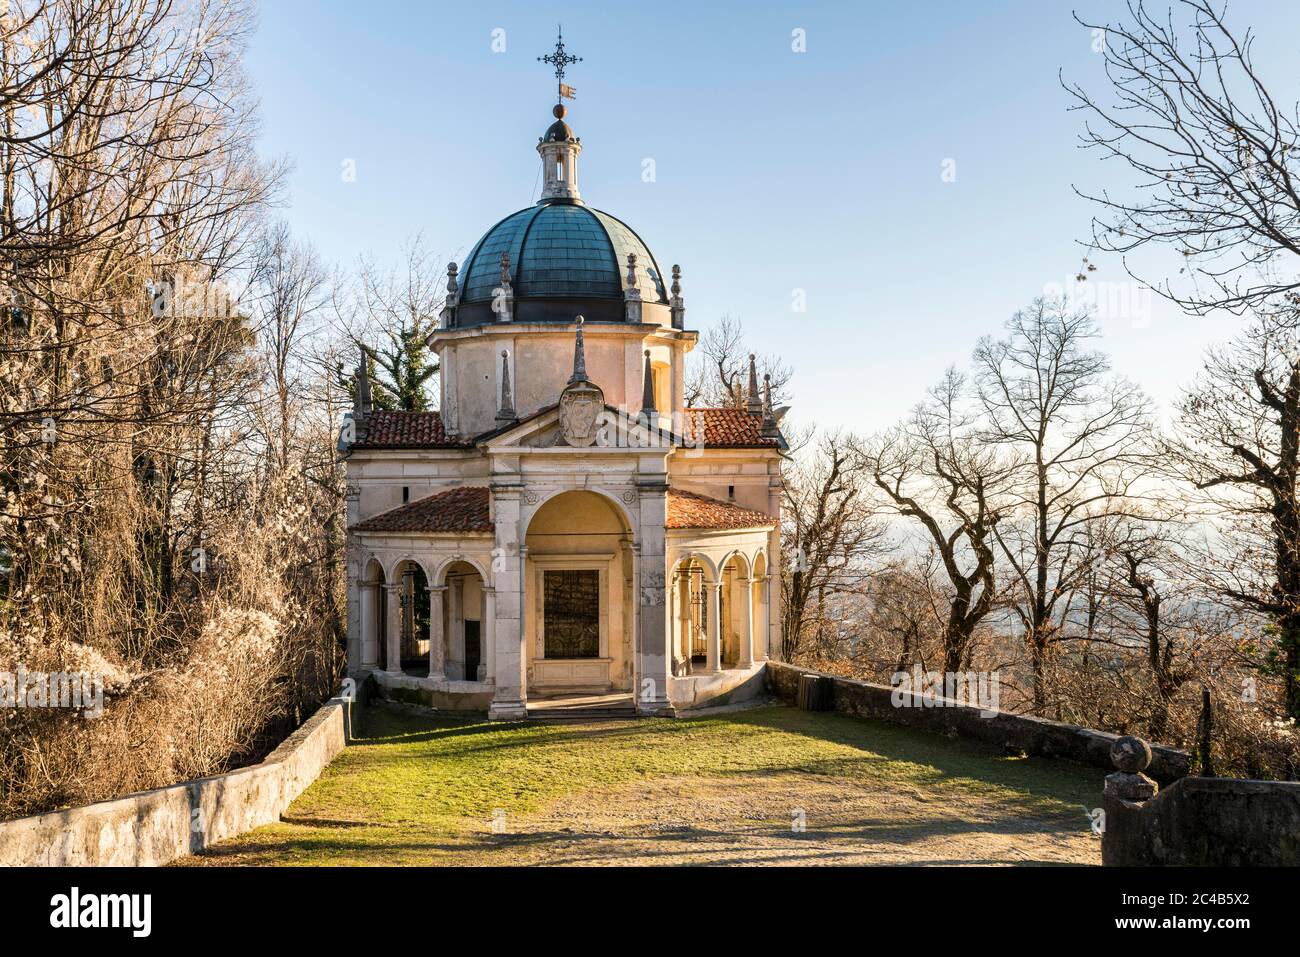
x=169 y=496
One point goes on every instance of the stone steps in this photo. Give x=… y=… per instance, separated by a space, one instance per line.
x=578 y=708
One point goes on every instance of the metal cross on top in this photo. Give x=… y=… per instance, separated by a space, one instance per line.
x=559 y=59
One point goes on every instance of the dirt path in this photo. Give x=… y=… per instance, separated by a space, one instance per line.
x=694 y=821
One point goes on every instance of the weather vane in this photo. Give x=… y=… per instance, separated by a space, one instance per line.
x=559 y=59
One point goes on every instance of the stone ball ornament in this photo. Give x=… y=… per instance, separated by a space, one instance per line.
x=1131 y=754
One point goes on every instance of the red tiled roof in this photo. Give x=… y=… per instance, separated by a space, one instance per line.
x=406 y=430
x=729 y=428
x=692 y=510
x=463 y=509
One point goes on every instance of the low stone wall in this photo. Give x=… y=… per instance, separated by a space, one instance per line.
x=441 y=694
x=156 y=827
x=1035 y=736
x=713 y=690
x=1220 y=822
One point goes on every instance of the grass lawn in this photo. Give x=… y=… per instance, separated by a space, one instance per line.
x=767 y=785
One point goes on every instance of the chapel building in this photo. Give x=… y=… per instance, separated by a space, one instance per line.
x=563 y=525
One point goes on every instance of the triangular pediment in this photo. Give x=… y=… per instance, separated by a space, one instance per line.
x=615 y=430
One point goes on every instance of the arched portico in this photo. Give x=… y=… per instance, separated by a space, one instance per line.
x=578 y=567
x=371 y=602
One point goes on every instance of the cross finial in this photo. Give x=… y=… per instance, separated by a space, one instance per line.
x=559 y=59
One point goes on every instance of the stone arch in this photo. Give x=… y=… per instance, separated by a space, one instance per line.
x=580 y=600
x=439 y=576
x=396 y=563
x=625 y=514
x=735 y=613
x=371 y=606
x=688 y=583
x=460 y=620
x=740 y=557
x=409 y=574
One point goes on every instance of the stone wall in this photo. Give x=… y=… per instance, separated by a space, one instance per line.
x=156 y=827
x=1220 y=822
x=1013 y=732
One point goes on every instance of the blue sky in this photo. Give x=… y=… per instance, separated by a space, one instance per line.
x=775 y=171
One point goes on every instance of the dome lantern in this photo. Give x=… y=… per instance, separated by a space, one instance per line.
x=559 y=150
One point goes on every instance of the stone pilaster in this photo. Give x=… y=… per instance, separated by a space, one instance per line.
x=487 y=671
x=509 y=703
x=654 y=667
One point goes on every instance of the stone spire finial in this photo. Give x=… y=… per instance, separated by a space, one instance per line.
x=579 y=356
x=676 y=303
x=506 y=413
x=753 y=402
x=769 y=419
x=648 y=388
x=632 y=292
x=362 y=401
x=452 y=298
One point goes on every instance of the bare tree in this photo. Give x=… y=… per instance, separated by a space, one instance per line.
x=1077 y=441
x=831 y=535
x=935 y=469
x=1239 y=443
x=1214 y=153
x=289 y=287
x=390 y=314
x=718 y=375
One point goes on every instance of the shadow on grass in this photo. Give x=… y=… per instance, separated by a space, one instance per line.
x=936 y=758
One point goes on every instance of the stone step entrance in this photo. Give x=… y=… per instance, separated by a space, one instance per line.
x=567 y=708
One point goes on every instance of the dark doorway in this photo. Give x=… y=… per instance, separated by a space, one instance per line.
x=473 y=650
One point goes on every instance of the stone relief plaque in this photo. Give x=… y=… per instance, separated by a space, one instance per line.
x=580 y=404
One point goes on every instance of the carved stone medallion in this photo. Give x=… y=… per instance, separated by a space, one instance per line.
x=580 y=404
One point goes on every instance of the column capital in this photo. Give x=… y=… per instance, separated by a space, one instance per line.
x=435 y=589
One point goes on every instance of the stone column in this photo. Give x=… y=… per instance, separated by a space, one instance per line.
x=437 y=668
x=773 y=637
x=714 y=661
x=746 y=622
x=394 y=622
x=369 y=655
x=486 y=671
x=762 y=631
x=682 y=609
x=455 y=621
x=670 y=641
x=654 y=667
x=510 y=700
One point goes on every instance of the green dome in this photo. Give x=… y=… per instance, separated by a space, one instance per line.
x=565 y=259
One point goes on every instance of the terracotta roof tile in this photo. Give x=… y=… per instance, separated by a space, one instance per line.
x=406 y=430
x=729 y=428
x=463 y=509
x=692 y=510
